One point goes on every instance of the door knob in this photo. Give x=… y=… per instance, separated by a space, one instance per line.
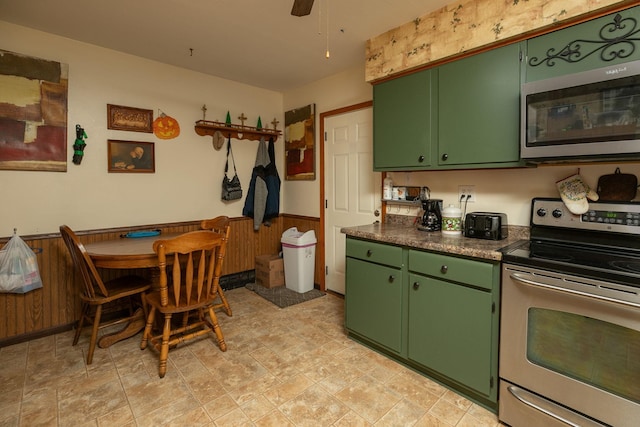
x=444 y=269
x=376 y=212
x=392 y=278
x=416 y=285
x=445 y=156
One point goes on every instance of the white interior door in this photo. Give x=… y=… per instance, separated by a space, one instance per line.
x=352 y=189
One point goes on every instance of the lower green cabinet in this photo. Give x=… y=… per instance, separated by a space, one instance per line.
x=374 y=298
x=450 y=330
x=435 y=312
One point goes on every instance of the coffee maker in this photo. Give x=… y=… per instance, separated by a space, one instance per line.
x=432 y=212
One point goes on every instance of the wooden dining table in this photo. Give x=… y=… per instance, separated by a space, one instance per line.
x=126 y=253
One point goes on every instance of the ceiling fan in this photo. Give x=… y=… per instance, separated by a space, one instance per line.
x=301 y=7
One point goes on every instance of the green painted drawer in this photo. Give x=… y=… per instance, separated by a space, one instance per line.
x=379 y=253
x=477 y=273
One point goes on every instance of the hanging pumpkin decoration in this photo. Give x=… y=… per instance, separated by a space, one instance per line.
x=166 y=127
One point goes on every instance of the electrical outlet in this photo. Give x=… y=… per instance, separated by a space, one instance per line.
x=467 y=190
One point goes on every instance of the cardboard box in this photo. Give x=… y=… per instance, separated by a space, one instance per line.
x=269 y=271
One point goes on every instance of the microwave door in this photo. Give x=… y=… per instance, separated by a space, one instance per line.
x=583 y=115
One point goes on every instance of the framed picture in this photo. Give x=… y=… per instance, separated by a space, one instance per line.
x=299 y=143
x=131 y=157
x=33 y=113
x=129 y=118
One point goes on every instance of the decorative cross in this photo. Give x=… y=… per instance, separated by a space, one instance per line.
x=204 y=112
x=275 y=123
x=242 y=119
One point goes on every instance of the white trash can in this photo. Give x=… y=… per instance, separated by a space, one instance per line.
x=299 y=253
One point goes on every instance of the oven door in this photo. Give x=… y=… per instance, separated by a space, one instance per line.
x=571 y=342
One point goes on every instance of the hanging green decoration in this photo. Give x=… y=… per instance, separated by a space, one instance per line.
x=259 y=125
x=228 y=121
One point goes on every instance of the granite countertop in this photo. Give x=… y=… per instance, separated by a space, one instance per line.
x=410 y=236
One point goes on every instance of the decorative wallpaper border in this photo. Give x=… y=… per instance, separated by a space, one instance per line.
x=467 y=25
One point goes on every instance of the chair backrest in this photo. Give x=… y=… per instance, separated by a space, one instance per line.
x=222 y=225
x=93 y=284
x=193 y=261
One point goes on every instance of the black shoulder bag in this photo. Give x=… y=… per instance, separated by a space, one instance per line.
x=231 y=188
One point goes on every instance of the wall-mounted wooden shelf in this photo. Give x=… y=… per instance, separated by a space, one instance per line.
x=206 y=127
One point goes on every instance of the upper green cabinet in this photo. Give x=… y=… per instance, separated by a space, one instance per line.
x=402 y=122
x=479 y=110
x=464 y=114
x=610 y=40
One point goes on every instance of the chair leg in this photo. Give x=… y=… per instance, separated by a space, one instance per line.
x=164 y=349
x=94 y=334
x=84 y=311
x=217 y=330
x=227 y=308
x=148 y=328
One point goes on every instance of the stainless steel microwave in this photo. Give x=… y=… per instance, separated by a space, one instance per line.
x=584 y=116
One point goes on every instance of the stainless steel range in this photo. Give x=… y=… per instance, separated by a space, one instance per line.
x=570 y=325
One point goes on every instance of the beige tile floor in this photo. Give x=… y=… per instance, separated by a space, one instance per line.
x=283 y=367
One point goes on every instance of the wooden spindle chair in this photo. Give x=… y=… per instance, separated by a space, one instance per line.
x=96 y=293
x=193 y=261
x=222 y=225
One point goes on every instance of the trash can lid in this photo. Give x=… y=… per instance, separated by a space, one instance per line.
x=297 y=238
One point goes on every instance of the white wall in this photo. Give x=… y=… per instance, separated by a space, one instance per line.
x=507 y=190
x=338 y=91
x=186 y=184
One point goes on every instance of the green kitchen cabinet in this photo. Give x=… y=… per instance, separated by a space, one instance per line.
x=479 y=110
x=374 y=293
x=453 y=319
x=606 y=41
x=435 y=312
x=402 y=122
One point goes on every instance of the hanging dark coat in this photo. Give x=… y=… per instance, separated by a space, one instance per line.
x=272 y=180
x=256 y=201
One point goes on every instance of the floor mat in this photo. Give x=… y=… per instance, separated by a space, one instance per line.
x=283 y=296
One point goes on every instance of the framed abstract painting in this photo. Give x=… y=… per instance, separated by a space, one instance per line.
x=33 y=113
x=299 y=143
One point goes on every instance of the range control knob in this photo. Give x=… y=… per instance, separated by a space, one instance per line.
x=541 y=212
x=557 y=213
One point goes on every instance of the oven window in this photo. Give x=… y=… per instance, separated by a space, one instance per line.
x=602 y=354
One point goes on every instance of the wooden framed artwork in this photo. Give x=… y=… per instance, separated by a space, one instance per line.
x=299 y=143
x=131 y=157
x=33 y=113
x=129 y=118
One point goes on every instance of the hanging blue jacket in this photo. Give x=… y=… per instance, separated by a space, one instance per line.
x=256 y=201
x=272 y=180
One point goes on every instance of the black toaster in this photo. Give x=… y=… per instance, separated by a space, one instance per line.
x=486 y=225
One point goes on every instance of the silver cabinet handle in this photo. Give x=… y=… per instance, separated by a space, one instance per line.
x=416 y=285
x=392 y=278
x=518 y=277
x=444 y=269
x=561 y=414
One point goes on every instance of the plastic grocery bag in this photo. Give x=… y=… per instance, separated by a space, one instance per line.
x=18 y=267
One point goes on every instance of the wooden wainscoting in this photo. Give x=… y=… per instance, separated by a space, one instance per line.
x=55 y=307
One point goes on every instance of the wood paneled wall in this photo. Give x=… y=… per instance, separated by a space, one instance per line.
x=55 y=307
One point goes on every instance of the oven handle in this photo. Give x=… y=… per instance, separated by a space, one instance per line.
x=519 y=278
x=541 y=405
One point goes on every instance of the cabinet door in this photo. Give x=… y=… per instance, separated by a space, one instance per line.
x=450 y=330
x=402 y=122
x=479 y=109
x=610 y=40
x=373 y=302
